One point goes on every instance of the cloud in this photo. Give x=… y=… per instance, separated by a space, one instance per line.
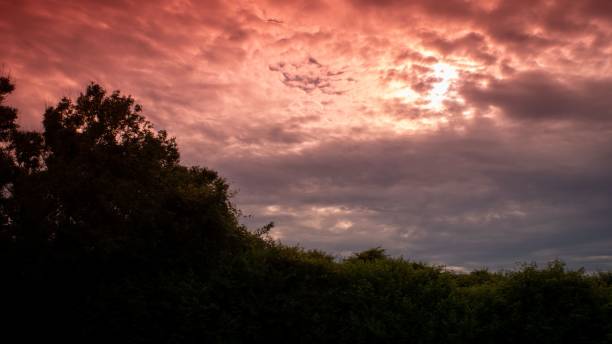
x=539 y=95
x=485 y=197
x=321 y=113
x=310 y=75
x=471 y=44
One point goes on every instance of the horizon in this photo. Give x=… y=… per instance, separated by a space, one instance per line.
x=474 y=134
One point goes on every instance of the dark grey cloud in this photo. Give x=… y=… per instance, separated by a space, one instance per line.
x=542 y=96
x=490 y=196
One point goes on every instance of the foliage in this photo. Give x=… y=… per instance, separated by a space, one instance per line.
x=106 y=237
x=368 y=255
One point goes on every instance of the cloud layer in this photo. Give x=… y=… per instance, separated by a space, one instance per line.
x=474 y=133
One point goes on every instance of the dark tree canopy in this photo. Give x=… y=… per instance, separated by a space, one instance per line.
x=100 y=177
x=9 y=138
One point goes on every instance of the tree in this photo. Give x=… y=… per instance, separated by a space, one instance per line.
x=369 y=255
x=8 y=115
x=101 y=178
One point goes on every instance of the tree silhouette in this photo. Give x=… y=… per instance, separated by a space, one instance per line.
x=8 y=116
x=369 y=255
x=100 y=177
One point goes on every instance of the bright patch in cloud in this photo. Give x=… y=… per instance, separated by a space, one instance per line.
x=445 y=75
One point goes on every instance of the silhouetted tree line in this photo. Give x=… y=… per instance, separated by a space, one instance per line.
x=105 y=237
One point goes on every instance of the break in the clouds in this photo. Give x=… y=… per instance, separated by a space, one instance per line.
x=465 y=133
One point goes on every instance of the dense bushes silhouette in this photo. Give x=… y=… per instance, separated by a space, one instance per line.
x=106 y=237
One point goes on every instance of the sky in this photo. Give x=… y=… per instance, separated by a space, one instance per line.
x=465 y=133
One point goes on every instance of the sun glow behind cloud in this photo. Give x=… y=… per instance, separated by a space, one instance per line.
x=445 y=74
x=419 y=94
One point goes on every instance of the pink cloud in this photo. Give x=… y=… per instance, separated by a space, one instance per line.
x=419 y=119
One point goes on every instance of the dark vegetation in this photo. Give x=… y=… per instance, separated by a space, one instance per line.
x=106 y=238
